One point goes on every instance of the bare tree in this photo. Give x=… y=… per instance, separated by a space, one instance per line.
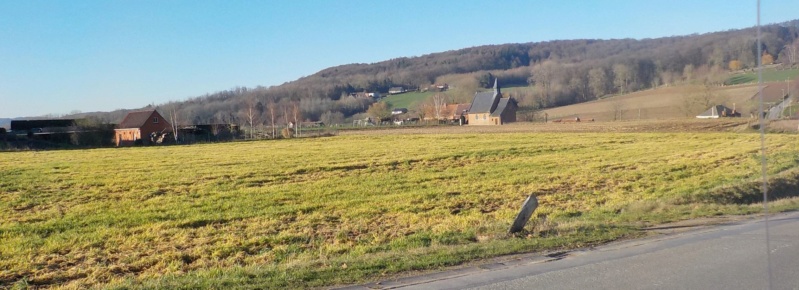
x=297 y=114
x=379 y=111
x=622 y=75
x=697 y=99
x=688 y=72
x=618 y=107
x=421 y=109
x=225 y=117
x=271 y=106
x=543 y=77
x=579 y=84
x=173 y=119
x=792 y=51
x=250 y=114
x=330 y=118
x=598 y=81
x=286 y=117
x=439 y=103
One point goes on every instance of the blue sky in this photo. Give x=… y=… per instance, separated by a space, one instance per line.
x=60 y=56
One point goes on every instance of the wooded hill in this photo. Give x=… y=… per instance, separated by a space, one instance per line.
x=559 y=72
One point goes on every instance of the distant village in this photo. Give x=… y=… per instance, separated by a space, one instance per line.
x=149 y=127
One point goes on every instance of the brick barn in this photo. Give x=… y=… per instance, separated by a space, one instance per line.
x=138 y=126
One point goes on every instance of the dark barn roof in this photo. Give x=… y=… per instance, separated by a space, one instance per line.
x=135 y=119
x=484 y=101
x=718 y=111
x=460 y=110
x=501 y=107
x=27 y=125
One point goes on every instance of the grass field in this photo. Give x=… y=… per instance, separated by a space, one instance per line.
x=344 y=209
x=769 y=75
x=406 y=100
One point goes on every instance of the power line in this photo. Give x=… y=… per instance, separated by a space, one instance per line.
x=763 y=167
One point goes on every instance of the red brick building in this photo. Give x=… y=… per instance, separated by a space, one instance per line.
x=138 y=126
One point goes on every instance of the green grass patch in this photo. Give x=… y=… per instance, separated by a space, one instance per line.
x=409 y=99
x=769 y=75
x=302 y=213
x=790 y=110
x=406 y=100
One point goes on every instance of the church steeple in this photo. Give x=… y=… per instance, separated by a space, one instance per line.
x=496 y=85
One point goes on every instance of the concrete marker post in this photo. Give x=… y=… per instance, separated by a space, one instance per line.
x=530 y=204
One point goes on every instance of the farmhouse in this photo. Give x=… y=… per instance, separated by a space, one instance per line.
x=396 y=90
x=399 y=111
x=718 y=111
x=436 y=87
x=456 y=112
x=490 y=108
x=139 y=126
x=364 y=95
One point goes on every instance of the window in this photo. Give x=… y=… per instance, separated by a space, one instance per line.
x=155 y=120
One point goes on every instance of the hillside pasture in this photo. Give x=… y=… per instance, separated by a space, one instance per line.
x=769 y=75
x=301 y=213
x=407 y=100
x=660 y=103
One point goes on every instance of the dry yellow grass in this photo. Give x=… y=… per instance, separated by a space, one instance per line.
x=629 y=126
x=660 y=103
x=292 y=213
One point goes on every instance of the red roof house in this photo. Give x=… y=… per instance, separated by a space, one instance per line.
x=139 y=126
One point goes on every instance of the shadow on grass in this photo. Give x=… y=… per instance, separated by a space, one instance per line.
x=783 y=185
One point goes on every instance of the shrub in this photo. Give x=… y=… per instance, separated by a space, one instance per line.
x=287 y=132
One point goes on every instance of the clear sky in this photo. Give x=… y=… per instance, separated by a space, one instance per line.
x=60 y=56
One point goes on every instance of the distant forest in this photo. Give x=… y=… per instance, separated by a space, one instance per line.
x=558 y=73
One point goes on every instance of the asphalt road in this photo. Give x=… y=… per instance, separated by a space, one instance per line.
x=731 y=256
x=776 y=112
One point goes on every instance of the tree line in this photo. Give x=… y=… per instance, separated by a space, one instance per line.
x=559 y=72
